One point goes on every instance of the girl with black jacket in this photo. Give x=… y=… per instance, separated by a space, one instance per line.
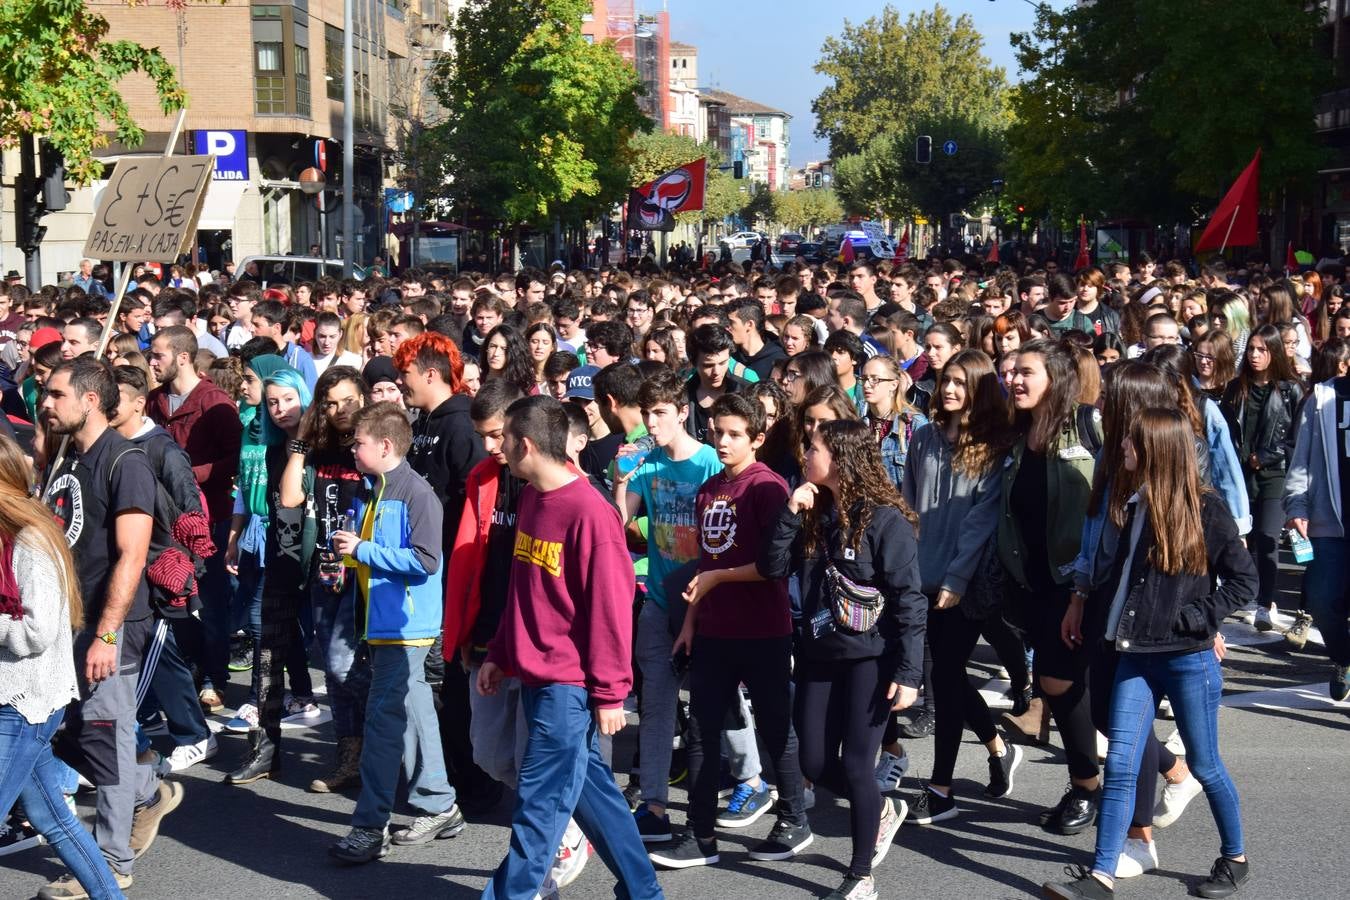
x=847 y=533
x=1179 y=569
x=1260 y=405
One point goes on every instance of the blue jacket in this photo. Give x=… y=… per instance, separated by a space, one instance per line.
x=1225 y=471
x=400 y=565
x=1312 y=486
x=895 y=445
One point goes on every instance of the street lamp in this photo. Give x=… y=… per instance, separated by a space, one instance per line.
x=312 y=184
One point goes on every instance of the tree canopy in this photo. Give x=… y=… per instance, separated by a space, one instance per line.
x=59 y=77
x=1130 y=110
x=887 y=72
x=539 y=119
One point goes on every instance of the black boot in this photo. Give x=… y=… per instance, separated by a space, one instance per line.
x=263 y=760
x=1077 y=812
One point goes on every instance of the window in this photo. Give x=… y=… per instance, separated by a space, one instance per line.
x=761 y=129
x=333 y=61
x=302 y=80
x=269 y=78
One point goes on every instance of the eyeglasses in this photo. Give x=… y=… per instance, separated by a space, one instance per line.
x=871 y=380
x=1202 y=357
x=790 y=376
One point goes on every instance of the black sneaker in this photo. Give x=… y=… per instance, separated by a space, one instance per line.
x=930 y=806
x=1001 y=770
x=632 y=794
x=784 y=842
x=361 y=845
x=685 y=852
x=1224 y=879
x=652 y=828
x=1084 y=886
x=241 y=654
x=920 y=726
x=1021 y=700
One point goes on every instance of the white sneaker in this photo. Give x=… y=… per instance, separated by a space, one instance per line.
x=1174 y=799
x=244 y=721
x=185 y=756
x=571 y=856
x=893 y=813
x=299 y=712
x=890 y=771
x=1262 y=619
x=1136 y=858
x=1175 y=744
x=1165 y=709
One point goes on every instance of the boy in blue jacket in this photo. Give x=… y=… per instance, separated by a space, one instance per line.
x=397 y=557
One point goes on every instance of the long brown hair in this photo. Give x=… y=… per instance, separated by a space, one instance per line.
x=1279 y=369
x=1061 y=396
x=20 y=512
x=863 y=483
x=982 y=422
x=1131 y=387
x=830 y=395
x=1170 y=481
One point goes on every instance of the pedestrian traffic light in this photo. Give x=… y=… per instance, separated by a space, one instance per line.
x=738 y=169
x=923 y=150
x=54 y=196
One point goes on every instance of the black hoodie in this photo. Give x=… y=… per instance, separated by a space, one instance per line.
x=444 y=449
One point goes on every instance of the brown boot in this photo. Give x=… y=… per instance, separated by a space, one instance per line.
x=347 y=772
x=1032 y=727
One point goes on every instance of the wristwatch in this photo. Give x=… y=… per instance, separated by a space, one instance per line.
x=109 y=638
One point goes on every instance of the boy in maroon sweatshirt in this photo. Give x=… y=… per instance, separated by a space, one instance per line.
x=566 y=633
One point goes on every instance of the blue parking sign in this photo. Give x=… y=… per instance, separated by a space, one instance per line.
x=230 y=148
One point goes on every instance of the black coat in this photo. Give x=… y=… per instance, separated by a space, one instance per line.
x=1274 y=428
x=1178 y=613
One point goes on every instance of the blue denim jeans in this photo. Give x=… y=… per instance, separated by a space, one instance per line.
x=1194 y=684
x=563 y=776
x=401 y=729
x=30 y=773
x=1328 y=592
x=216 y=588
x=345 y=660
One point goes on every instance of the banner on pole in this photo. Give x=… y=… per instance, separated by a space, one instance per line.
x=652 y=207
x=149 y=209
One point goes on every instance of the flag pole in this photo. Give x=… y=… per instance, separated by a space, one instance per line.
x=1231 y=221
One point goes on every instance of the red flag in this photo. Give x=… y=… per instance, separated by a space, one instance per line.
x=846 y=251
x=1234 y=222
x=902 y=252
x=993 y=252
x=1083 y=260
x=655 y=203
x=1290 y=260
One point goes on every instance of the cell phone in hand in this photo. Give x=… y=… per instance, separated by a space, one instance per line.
x=679 y=663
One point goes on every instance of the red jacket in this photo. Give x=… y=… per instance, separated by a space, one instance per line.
x=464 y=573
x=207 y=426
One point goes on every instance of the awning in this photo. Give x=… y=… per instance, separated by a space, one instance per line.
x=221 y=205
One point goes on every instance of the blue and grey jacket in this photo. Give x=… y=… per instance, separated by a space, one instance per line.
x=1225 y=470
x=1312 y=486
x=400 y=565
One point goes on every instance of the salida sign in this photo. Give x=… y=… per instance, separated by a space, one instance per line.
x=149 y=209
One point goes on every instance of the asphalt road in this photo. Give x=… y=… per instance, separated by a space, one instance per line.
x=1284 y=746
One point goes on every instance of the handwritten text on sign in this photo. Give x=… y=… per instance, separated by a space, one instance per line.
x=149 y=209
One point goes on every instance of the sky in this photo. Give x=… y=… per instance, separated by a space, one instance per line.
x=765 y=50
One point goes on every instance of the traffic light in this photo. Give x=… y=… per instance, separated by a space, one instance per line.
x=738 y=169
x=816 y=180
x=54 y=196
x=923 y=150
x=1021 y=209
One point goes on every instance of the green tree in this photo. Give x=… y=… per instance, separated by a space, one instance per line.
x=540 y=119
x=804 y=211
x=59 y=77
x=886 y=72
x=1129 y=110
x=657 y=152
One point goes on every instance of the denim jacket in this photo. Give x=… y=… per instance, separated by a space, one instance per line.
x=895 y=445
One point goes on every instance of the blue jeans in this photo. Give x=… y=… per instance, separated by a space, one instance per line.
x=563 y=776
x=216 y=589
x=1194 y=684
x=1328 y=593
x=345 y=660
x=30 y=773
x=401 y=729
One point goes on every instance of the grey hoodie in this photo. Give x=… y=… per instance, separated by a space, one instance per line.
x=1312 y=486
x=958 y=514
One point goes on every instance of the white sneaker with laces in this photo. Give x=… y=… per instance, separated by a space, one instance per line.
x=1262 y=619
x=245 y=720
x=893 y=814
x=571 y=856
x=1174 y=799
x=295 y=711
x=1136 y=858
x=185 y=756
x=890 y=771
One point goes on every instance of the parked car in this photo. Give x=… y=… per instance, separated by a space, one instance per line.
x=267 y=270
x=813 y=252
x=788 y=241
x=741 y=239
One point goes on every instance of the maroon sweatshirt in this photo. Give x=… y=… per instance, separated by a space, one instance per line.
x=207 y=426
x=569 y=610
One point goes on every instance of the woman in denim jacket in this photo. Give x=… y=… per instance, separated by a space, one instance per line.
x=892 y=419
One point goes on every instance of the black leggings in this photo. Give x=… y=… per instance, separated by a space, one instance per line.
x=840 y=711
x=1157 y=759
x=953 y=637
x=1264 y=543
x=892 y=732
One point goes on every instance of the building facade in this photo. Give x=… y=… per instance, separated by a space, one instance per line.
x=759 y=137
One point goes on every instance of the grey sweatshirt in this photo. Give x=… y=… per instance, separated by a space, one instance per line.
x=957 y=513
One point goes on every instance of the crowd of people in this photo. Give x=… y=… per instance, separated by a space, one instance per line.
x=768 y=511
